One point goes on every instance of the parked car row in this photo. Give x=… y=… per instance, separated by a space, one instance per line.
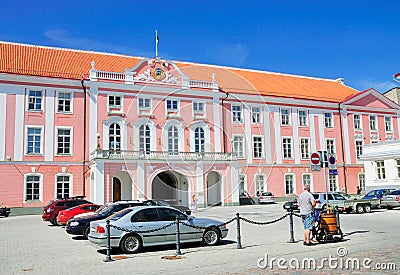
x=86 y=219
x=380 y=198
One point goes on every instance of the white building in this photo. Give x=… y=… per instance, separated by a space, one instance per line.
x=382 y=165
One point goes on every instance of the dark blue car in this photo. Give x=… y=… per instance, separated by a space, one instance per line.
x=377 y=194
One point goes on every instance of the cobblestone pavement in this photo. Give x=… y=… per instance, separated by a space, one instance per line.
x=31 y=246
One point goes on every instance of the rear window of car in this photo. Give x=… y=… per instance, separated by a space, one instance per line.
x=396 y=192
x=119 y=214
x=266 y=194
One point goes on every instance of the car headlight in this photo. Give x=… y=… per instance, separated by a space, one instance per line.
x=73 y=223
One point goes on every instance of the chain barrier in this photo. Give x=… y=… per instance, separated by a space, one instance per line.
x=143 y=231
x=264 y=223
x=201 y=227
x=297 y=215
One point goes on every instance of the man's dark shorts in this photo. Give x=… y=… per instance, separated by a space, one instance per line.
x=307 y=221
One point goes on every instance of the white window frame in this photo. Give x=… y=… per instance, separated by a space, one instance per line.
x=70 y=183
x=71 y=104
x=333 y=144
x=388 y=122
x=244 y=183
x=358 y=150
x=328 y=120
x=28 y=97
x=192 y=128
x=242 y=145
x=41 y=140
x=239 y=112
x=380 y=170
x=261 y=142
x=293 y=183
x=311 y=181
x=143 y=100
x=373 y=122
x=259 y=183
x=361 y=184
x=305 y=118
x=335 y=183
x=359 y=121
x=123 y=125
x=200 y=140
x=198 y=111
x=286 y=119
x=71 y=140
x=257 y=114
x=286 y=149
x=171 y=101
x=305 y=151
x=40 y=187
x=113 y=108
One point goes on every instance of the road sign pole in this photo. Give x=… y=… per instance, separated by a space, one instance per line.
x=324 y=164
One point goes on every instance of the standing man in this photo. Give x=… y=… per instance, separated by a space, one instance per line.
x=306 y=203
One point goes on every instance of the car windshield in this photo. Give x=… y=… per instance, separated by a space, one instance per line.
x=163 y=203
x=396 y=192
x=120 y=214
x=100 y=209
x=105 y=210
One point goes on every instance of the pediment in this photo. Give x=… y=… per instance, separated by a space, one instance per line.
x=371 y=99
x=157 y=70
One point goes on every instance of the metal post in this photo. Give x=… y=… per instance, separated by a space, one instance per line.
x=239 y=242
x=108 y=257
x=178 y=238
x=337 y=218
x=291 y=227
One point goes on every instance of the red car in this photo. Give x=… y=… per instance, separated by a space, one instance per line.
x=65 y=215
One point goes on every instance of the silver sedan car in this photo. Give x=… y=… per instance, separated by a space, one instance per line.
x=136 y=227
x=391 y=200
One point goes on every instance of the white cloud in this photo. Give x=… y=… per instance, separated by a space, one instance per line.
x=381 y=86
x=233 y=54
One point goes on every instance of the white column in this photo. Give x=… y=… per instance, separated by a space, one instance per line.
x=3 y=116
x=140 y=180
x=267 y=133
x=217 y=124
x=277 y=130
x=321 y=124
x=296 y=142
x=99 y=183
x=247 y=130
x=200 y=185
x=19 y=127
x=49 y=128
x=93 y=117
x=312 y=132
x=235 y=183
x=346 y=137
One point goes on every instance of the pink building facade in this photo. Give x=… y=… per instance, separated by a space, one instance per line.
x=156 y=129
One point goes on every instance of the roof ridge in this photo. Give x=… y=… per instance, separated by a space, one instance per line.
x=68 y=49
x=255 y=70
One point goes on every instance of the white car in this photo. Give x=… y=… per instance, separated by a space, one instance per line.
x=266 y=197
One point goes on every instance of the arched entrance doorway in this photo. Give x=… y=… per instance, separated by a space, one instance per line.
x=170 y=186
x=214 y=189
x=122 y=186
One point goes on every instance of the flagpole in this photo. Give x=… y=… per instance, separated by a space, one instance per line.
x=156 y=43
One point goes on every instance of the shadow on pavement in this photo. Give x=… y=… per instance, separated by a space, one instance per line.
x=356 y=232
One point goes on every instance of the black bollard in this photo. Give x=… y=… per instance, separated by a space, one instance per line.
x=239 y=242
x=337 y=218
x=178 y=238
x=291 y=227
x=108 y=257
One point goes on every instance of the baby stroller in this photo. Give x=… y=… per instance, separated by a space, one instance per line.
x=326 y=227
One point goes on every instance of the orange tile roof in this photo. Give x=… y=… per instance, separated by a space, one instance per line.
x=67 y=63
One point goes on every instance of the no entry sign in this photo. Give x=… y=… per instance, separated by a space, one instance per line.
x=315 y=158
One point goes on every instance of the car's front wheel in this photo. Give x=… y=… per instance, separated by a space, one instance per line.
x=211 y=236
x=131 y=244
x=86 y=231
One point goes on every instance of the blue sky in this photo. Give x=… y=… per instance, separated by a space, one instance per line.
x=356 y=40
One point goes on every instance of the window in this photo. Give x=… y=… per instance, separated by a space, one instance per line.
x=34 y=141
x=285 y=117
x=35 y=100
x=380 y=170
x=172 y=105
x=305 y=148
x=372 y=123
x=303 y=118
x=32 y=191
x=114 y=101
x=398 y=167
x=199 y=140
x=238 y=146
x=306 y=179
x=388 y=124
x=144 y=103
x=287 y=148
x=63 y=141
x=257 y=147
x=259 y=184
x=144 y=138
x=361 y=181
x=332 y=183
x=330 y=146
x=289 y=184
x=198 y=107
x=63 y=185
x=173 y=140
x=359 y=148
x=114 y=137
x=256 y=114
x=64 y=102
x=146 y=215
x=242 y=180
x=236 y=113
x=328 y=117
x=357 y=121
